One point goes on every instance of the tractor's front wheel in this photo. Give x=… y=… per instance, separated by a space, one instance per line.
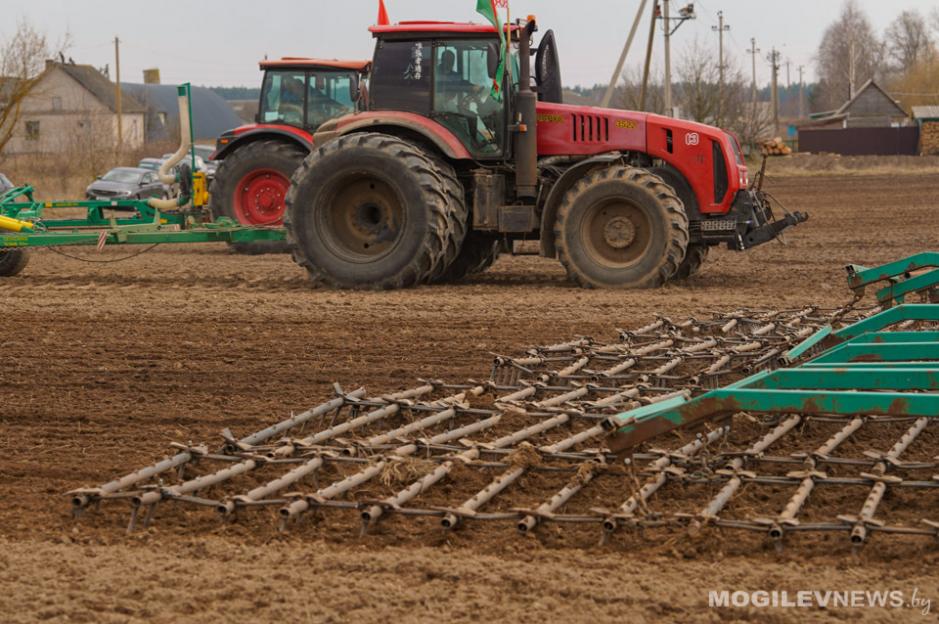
x=621 y=227
x=250 y=188
x=13 y=261
x=371 y=211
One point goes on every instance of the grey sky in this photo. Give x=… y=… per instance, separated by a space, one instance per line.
x=218 y=42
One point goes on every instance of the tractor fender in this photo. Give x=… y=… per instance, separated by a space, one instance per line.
x=674 y=178
x=568 y=179
x=405 y=125
x=288 y=135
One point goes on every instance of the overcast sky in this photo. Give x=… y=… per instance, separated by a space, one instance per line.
x=218 y=42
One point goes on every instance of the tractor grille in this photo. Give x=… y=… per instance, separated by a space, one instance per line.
x=590 y=129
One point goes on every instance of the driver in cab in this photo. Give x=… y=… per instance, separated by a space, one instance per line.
x=457 y=95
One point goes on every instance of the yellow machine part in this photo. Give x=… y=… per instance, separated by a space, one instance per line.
x=200 y=190
x=15 y=225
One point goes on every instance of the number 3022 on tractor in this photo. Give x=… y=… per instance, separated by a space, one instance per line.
x=446 y=165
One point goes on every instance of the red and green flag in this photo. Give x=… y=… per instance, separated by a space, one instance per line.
x=490 y=10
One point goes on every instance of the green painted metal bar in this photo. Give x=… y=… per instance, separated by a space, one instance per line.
x=882 y=320
x=898 y=291
x=880 y=352
x=865 y=365
x=859 y=277
x=631 y=431
x=808 y=344
x=119 y=237
x=850 y=379
x=897 y=337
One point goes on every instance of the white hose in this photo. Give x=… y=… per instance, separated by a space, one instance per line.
x=185 y=144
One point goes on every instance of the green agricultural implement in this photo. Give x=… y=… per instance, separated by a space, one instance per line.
x=27 y=223
x=871 y=367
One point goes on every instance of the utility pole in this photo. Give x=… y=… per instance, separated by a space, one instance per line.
x=117 y=93
x=788 y=81
x=668 y=59
x=608 y=96
x=721 y=28
x=774 y=63
x=753 y=51
x=801 y=92
x=645 y=70
x=684 y=14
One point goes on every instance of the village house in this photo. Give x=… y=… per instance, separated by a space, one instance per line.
x=74 y=105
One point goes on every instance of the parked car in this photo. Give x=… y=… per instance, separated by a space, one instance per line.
x=127 y=183
x=200 y=163
x=205 y=153
x=152 y=164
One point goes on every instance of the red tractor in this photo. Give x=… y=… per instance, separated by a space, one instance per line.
x=257 y=160
x=418 y=188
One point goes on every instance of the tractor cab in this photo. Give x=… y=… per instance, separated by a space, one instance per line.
x=304 y=93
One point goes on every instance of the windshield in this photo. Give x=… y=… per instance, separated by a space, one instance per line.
x=306 y=99
x=122 y=175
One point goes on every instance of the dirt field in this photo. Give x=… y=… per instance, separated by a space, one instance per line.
x=105 y=364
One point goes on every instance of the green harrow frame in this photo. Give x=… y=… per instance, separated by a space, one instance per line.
x=860 y=369
x=24 y=223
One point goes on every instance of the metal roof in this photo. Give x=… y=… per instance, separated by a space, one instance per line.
x=312 y=63
x=100 y=86
x=211 y=114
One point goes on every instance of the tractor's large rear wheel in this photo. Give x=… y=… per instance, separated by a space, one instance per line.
x=479 y=252
x=372 y=211
x=621 y=227
x=13 y=261
x=251 y=186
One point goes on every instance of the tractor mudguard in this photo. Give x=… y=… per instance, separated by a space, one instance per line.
x=567 y=180
x=395 y=123
x=278 y=133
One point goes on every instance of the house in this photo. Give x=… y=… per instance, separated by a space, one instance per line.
x=75 y=106
x=870 y=123
x=871 y=107
x=211 y=114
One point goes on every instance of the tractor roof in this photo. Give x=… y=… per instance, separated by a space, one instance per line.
x=300 y=62
x=424 y=27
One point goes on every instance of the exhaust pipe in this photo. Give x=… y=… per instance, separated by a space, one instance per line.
x=185 y=146
x=526 y=133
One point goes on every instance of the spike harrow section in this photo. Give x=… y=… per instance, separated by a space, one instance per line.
x=530 y=446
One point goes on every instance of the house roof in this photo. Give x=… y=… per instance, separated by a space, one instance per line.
x=211 y=114
x=870 y=84
x=100 y=87
x=926 y=112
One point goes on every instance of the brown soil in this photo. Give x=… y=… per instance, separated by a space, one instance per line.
x=105 y=364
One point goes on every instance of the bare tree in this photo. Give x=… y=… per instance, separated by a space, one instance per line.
x=22 y=61
x=850 y=54
x=908 y=40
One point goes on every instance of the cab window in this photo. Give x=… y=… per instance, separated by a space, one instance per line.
x=282 y=97
x=401 y=77
x=463 y=101
x=329 y=95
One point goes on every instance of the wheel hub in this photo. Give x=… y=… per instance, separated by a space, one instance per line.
x=364 y=219
x=619 y=232
x=260 y=198
x=615 y=233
